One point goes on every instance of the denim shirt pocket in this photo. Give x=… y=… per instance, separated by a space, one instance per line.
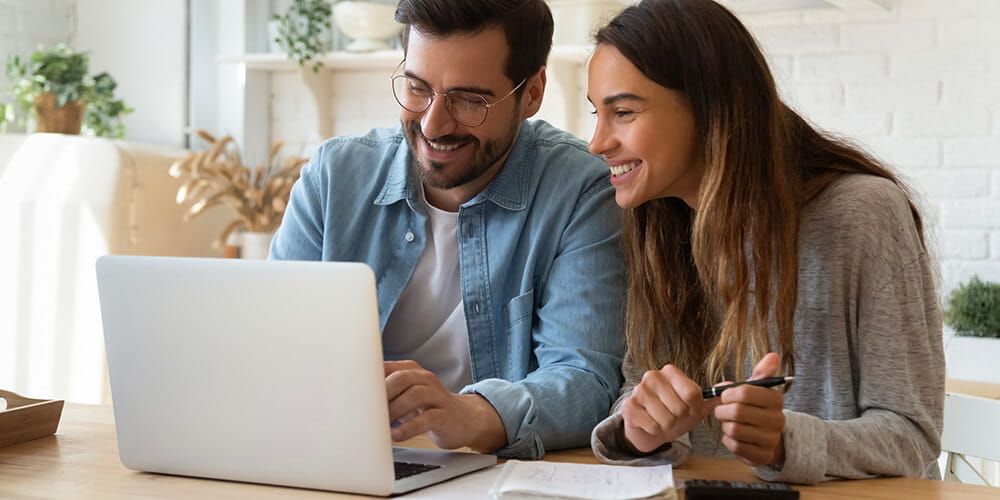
x=519 y=311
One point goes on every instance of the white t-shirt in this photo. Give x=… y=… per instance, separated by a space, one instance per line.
x=428 y=324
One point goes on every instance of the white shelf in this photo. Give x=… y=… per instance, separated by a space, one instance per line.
x=334 y=61
x=565 y=62
x=365 y=61
x=764 y=6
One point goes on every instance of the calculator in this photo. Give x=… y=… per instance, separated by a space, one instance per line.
x=704 y=489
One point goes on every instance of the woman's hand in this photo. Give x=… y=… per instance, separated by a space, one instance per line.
x=752 y=418
x=663 y=406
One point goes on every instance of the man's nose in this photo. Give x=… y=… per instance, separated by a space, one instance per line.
x=437 y=120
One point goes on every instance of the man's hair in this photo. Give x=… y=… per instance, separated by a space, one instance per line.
x=526 y=23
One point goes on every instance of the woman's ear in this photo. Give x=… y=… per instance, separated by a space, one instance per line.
x=531 y=101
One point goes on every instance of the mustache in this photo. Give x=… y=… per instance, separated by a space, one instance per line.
x=416 y=131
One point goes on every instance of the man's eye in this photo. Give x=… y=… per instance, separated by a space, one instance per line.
x=468 y=101
x=419 y=90
x=623 y=113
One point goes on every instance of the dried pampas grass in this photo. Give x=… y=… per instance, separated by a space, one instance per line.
x=217 y=177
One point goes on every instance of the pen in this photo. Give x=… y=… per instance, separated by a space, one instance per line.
x=712 y=392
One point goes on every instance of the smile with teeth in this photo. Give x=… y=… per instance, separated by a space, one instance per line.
x=442 y=147
x=624 y=168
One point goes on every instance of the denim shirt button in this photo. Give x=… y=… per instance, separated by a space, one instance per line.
x=409 y=236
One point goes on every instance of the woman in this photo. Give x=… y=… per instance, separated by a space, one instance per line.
x=757 y=246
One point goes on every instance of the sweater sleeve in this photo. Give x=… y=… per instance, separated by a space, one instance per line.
x=899 y=386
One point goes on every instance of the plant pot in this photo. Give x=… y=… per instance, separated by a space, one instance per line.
x=50 y=118
x=255 y=245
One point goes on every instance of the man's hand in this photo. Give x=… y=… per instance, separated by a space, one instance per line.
x=752 y=419
x=663 y=406
x=420 y=403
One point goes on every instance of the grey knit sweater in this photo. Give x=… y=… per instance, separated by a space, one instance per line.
x=868 y=395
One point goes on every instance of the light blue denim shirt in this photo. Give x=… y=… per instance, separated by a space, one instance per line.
x=540 y=264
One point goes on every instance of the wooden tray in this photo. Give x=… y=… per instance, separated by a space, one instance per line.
x=26 y=419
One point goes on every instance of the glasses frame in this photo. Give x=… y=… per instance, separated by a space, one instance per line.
x=430 y=101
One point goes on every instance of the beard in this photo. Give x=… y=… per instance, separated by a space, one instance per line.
x=441 y=176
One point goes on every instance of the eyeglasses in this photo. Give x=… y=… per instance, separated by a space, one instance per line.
x=467 y=108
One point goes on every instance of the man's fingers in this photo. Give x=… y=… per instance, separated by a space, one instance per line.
x=416 y=397
x=390 y=367
x=399 y=381
x=425 y=422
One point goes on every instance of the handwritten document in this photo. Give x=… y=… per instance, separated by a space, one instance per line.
x=522 y=480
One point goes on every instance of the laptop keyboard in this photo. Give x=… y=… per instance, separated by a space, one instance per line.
x=407 y=469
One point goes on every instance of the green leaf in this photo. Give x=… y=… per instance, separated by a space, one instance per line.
x=304 y=30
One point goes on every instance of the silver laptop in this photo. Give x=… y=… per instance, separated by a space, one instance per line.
x=256 y=371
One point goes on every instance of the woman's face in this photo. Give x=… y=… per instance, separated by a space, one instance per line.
x=645 y=132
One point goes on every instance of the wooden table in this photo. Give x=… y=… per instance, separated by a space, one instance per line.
x=981 y=389
x=81 y=462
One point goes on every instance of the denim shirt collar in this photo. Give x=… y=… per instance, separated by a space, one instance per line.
x=509 y=189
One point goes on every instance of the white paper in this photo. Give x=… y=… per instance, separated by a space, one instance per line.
x=585 y=481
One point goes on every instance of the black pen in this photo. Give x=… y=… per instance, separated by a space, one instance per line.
x=712 y=392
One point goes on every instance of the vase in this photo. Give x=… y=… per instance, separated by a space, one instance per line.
x=370 y=25
x=255 y=246
x=50 y=118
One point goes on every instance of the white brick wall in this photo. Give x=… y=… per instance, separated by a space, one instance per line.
x=25 y=24
x=922 y=92
x=919 y=85
x=972 y=245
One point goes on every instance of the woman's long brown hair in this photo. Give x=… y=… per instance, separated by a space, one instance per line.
x=703 y=282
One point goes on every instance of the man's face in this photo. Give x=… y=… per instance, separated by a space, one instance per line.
x=448 y=154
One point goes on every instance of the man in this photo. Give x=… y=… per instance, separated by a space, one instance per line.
x=494 y=240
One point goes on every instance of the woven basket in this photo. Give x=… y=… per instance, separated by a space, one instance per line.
x=65 y=120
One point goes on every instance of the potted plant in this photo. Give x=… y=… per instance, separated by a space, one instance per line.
x=52 y=89
x=304 y=31
x=258 y=195
x=973 y=312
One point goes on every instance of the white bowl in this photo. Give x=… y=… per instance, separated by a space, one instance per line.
x=370 y=25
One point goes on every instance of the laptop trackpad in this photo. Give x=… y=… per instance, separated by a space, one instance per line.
x=434 y=466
